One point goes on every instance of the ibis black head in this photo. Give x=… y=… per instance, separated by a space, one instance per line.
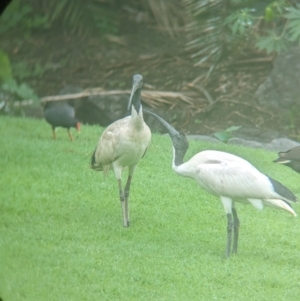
x=179 y=140
x=135 y=96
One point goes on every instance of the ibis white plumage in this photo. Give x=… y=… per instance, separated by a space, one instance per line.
x=231 y=178
x=123 y=144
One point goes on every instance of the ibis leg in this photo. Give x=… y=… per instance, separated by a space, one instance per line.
x=122 y=199
x=53 y=133
x=127 y=190
x=229 y=234
x=70 y=135
x=236 y=226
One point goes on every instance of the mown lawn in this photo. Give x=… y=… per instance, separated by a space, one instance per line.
x=62 y=236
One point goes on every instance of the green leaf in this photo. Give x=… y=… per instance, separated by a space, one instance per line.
x=233 y=128
x=293 y=13
x=269 y=14
x=13 y=15
x=10 y=85
x=271 y=43
x=294 y=29
x=5 y=67
x=240 y=21
x=227 y=134
x=223 y=136
x=23 y=91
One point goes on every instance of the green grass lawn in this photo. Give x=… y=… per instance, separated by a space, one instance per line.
x=61 y=233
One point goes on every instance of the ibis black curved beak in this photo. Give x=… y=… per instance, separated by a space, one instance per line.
x=171 y=130
x=137 y=83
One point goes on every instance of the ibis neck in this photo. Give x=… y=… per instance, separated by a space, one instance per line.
x=137 y=119
x=177 y=157
x=136 y=100
x=179 y=166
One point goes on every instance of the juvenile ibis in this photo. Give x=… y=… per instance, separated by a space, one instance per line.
x=61 y=114
x=123 y=144
x=231 y=178
x=290 y=158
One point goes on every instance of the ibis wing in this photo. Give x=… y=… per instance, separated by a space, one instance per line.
x=109 y=147
x=106 y=151
x=234 y=180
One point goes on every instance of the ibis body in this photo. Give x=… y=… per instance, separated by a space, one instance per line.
x=61 y=114
x=123 y=144
x=290 y=158
x=231 y=178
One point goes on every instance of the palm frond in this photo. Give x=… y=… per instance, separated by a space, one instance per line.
x=168 y=14
x=216 y=29
x=79 y=16
x=207 y=34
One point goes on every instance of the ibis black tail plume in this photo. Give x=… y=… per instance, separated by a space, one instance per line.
x=94 y=164
x=93 y=160
x=283 y=191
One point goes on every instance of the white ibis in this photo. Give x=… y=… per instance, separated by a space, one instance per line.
x=290 y=158
x=124 y=143
x=231 y=178
x=61 y=114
